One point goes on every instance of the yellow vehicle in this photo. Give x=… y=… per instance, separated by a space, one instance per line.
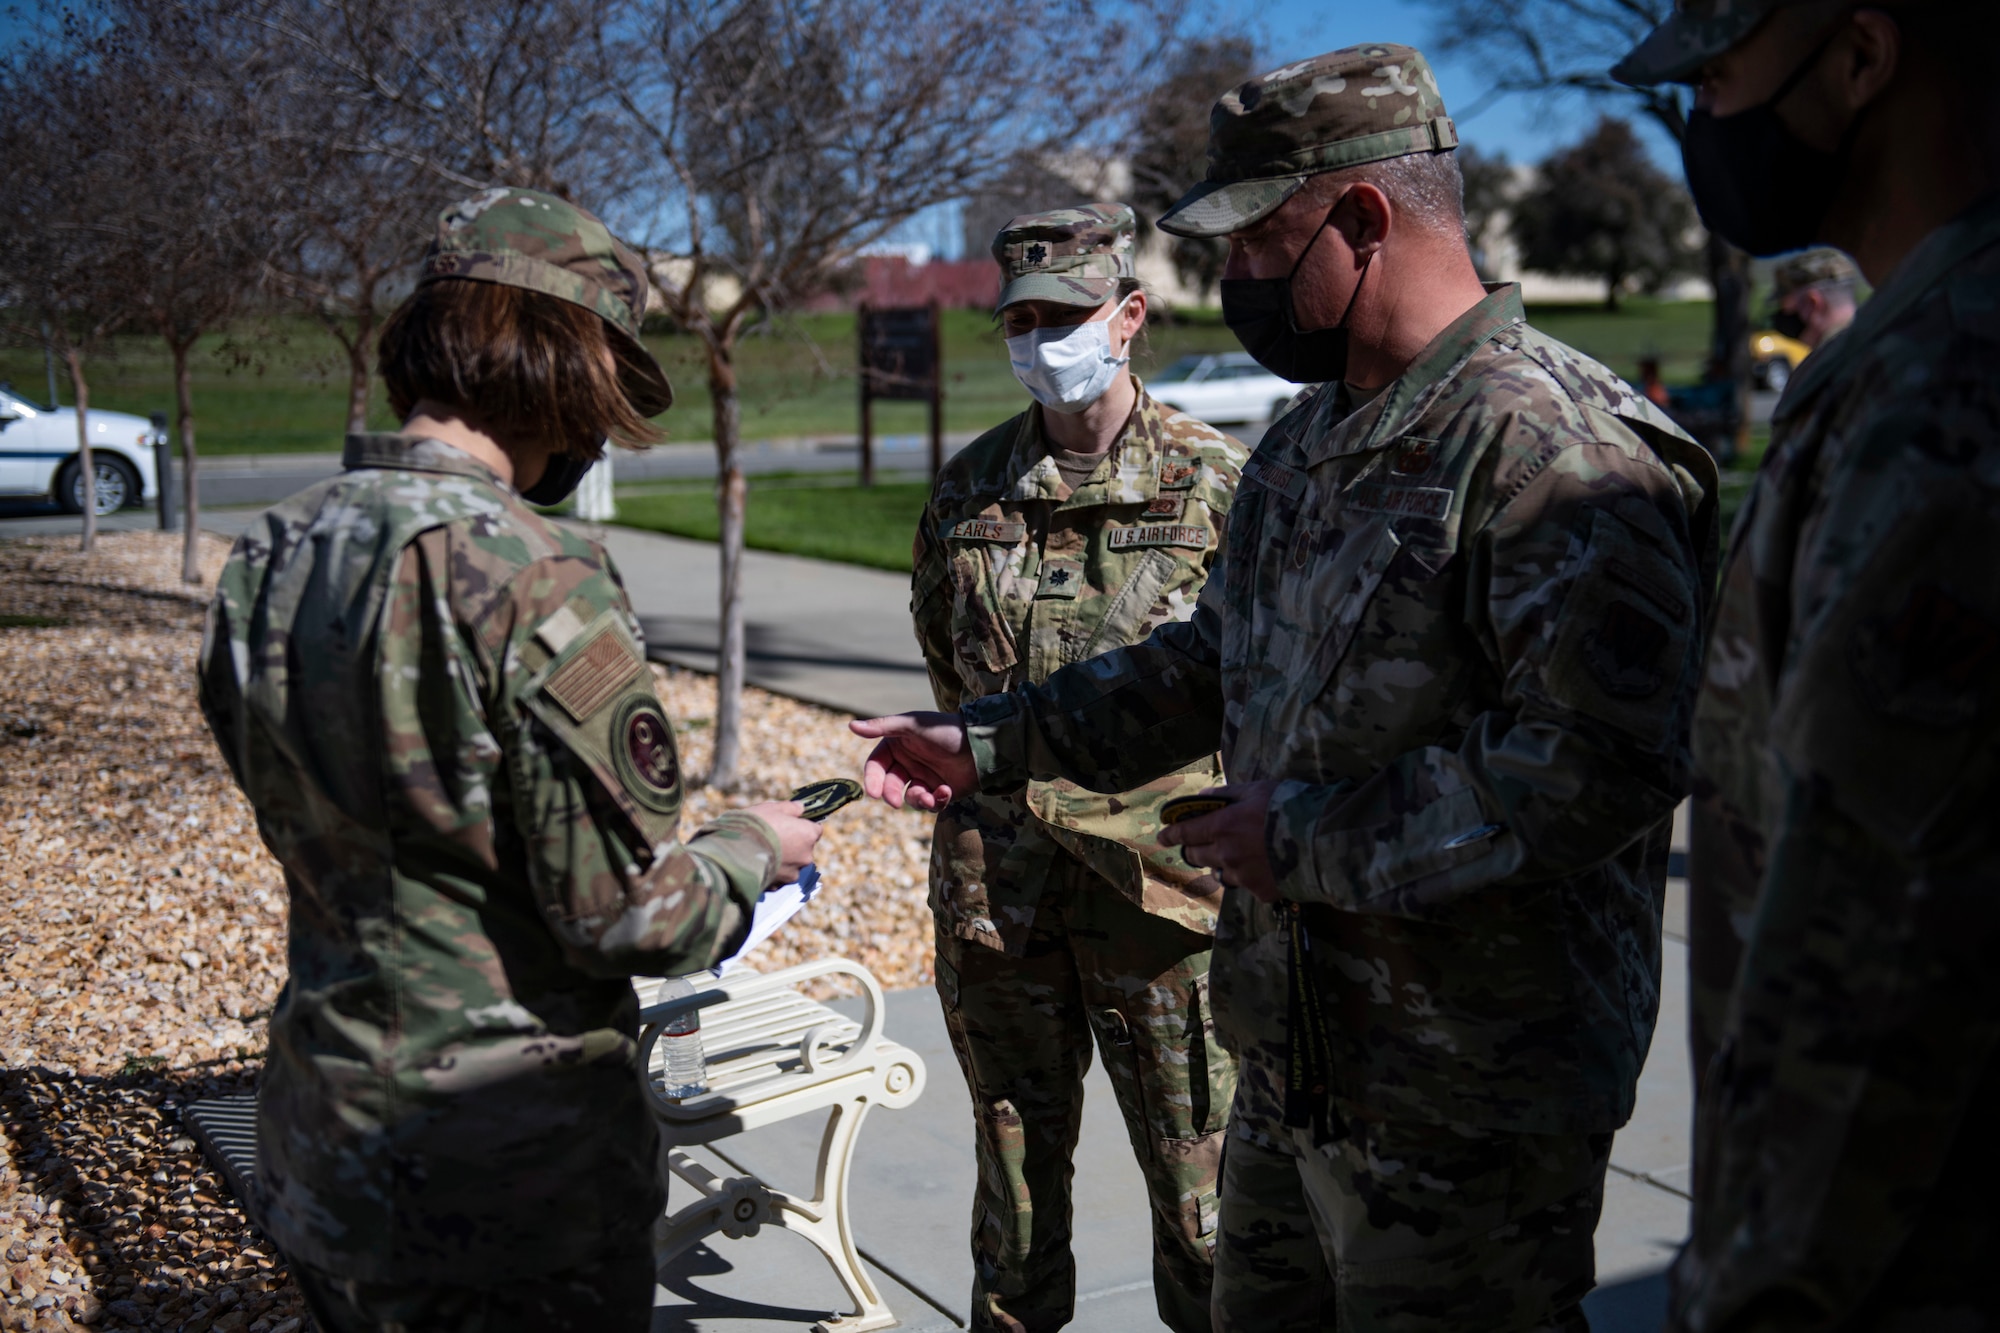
x=1773 y=358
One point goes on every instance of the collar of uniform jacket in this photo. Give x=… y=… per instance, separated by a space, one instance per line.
x=1936 y=255
x=411 y=453
x=1383 y=421
x=1133 y=476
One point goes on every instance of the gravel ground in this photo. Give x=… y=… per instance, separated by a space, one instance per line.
x=144 y=941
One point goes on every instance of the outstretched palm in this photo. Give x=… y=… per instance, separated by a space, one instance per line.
x=919 y=759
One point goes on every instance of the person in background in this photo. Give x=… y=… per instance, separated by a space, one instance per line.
x=438 y=704
x=1074 y=527
x=1449 y=658
x=1844 y=876
x=1812 y=295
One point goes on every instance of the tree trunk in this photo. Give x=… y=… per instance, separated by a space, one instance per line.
x=190 y=492
x=730 y=503
x=1729 y=347
x=81 y=388
x=359 y=372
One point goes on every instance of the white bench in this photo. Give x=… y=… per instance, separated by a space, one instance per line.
x=774 y=1054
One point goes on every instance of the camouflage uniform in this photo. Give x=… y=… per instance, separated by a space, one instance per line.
x=1843 y=853
x=437 y=702
x=1058 y=916
x=1460 y=627
x=1821 y=266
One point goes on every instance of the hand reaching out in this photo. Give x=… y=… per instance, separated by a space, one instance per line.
x=920 y=759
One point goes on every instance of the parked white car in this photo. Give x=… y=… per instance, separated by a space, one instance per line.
x=38 y=455
x=1222 y=387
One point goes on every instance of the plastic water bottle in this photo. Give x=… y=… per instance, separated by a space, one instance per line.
x=686 y=1072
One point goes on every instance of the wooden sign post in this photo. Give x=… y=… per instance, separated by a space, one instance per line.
x=902 y=356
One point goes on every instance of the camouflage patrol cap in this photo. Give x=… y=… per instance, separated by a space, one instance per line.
x=1695 y=33
x=524 y=238
x=1348 y=107
x=1809 y=268
x=1073 y=256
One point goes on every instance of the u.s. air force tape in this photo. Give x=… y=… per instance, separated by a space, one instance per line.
x=1159 y=534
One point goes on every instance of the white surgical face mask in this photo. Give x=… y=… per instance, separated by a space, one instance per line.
x=1069 y=367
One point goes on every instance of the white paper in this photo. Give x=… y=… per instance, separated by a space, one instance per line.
x=775 y=906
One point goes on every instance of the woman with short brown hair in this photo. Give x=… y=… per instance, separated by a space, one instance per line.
x=438 y=702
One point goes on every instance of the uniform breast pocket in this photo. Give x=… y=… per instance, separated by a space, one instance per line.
x=1329 y=593
x=982 y=623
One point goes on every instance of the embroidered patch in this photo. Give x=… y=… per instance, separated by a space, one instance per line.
x=1178 y=475
x=1287 y=481
x=1925 y=664
x=1158 y=534
x=1167 y=506
x=1302 y=544
x=642 y=747
x=984 y=530
x=599 y=670
x=1623 y=651
x=1375 y=497
x=1060 y=578
x=1036 y=255
x=1415 y=458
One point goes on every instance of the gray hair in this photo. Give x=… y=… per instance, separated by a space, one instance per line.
x=1425 y=189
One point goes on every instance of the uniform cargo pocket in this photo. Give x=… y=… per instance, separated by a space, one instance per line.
x=1341 y=595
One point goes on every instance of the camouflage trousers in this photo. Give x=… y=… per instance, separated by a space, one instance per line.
x=611 y=1294
x=1408 y=1227
x=1096 y=967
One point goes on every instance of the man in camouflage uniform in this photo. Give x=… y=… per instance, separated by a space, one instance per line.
x=1845 y=868
x=438 y=703
x=1812 y=295
x=1448 y=658
x=1058 y=915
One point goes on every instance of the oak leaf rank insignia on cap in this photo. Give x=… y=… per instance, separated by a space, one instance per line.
x=1072 y=256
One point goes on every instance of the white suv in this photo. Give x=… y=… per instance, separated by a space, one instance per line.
x=1222 y=386
x=38 y=454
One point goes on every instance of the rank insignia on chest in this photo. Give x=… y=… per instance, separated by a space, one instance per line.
x=1159 y=534
x=1178 y=474
x=1415 y=458
x=1060 y=578
x=1167 y=506
x=984 y=530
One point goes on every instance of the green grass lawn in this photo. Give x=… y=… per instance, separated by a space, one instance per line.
x=280 y=385
x=828 y=520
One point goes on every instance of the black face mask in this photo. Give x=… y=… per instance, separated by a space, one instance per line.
x=1758 y=185
x=1259 y=312
x=1789 y=324
x=562 y=475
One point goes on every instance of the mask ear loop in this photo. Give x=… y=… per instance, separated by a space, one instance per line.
x=1291 y=318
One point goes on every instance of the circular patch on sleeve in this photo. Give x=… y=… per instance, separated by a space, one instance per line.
x=642 y=746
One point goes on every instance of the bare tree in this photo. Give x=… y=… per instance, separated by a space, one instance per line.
x=397 y=106
x=60 y=280
x=1170 y=149
x=785 y=135
x=196 y=85
x=1558 y=46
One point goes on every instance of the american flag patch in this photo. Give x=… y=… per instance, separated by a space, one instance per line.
x=595 y=675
